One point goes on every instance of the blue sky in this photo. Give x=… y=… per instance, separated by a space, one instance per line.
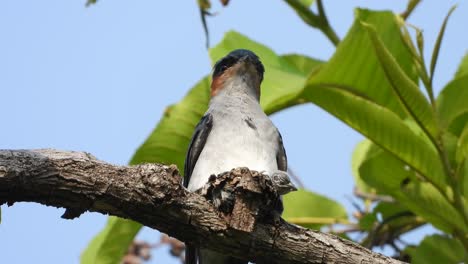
x=97 y=79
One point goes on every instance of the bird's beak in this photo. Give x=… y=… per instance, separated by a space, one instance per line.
x=246 y=65
x=293 y=188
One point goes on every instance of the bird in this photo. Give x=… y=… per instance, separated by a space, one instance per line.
x=234 y=132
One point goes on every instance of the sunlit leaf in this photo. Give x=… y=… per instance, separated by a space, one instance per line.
x=465 y=179
x=353 y=87
x=435 y=53
x=312 y=210
x=169 y=141
x=463 y=67
x=407 y=90
x=355 y=64
x=381 y=126
x=307 y=2
x=110 y=245
x=391 y=176
x=462 y=145
x=361 y=152
x=437 y=249
x=304 y=64
x=451 y=102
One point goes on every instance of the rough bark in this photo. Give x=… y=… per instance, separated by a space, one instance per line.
x=152 y=195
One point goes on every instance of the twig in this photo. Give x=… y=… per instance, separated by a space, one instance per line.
x=372 y=197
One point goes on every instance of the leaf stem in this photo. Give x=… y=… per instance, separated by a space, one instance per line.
x=409 y=8
x=319 y=21
x=326 y=28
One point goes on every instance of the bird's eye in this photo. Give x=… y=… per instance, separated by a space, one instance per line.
x=224 y=67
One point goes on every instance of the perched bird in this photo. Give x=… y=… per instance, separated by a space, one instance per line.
x=234 y=132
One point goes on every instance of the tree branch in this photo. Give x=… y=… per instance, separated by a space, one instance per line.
x=152 y=195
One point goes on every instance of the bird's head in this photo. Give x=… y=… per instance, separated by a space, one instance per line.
x=240 y=70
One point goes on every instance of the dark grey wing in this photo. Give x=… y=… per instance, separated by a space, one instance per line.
x=202 y=131
x=281 y=159
x=282 y=162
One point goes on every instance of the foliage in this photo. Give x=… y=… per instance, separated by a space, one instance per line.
x=413 y=166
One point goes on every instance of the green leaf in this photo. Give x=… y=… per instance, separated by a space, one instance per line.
x=304 y=64
x=284 y=76
x=462 y=145
x=465 y=178
x=463 y=67
x=356 y=65
x=361 y=152
x=391 y=176
x=381 y=126
x=451 y=102
x=406 y=89
x=307 y=2
x=110 y=245
x=371 y=106
x=312 y=210
x=168 y=143
x=437 y=249
x=368 y=221
x=435 y=52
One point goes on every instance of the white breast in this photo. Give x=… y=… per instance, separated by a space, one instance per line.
x=234 y=143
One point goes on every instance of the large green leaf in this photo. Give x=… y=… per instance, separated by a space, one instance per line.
x=391 y=176
x=312 y=210
x=304 y=64
x=381 y=126
x=284 y=76
x=361 y=152
x=463 y=67
x=437 y=249
x=465 y=179
x=370 y=106
x=110 y=245
x=406 y=89
x=452 y=102
x=169 y=141
x=462 y=145
x=355 y=63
